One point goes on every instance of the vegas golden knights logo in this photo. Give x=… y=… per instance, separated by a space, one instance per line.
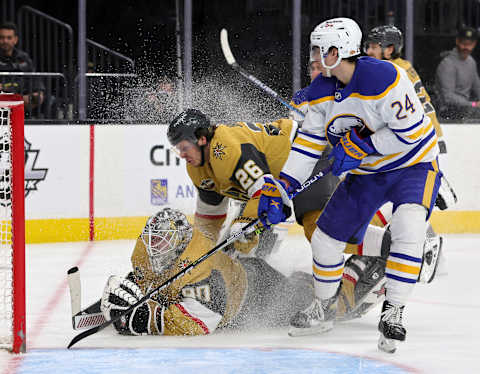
x=218 y=151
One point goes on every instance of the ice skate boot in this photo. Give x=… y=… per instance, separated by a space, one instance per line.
x=390 y=327
x=317 y=318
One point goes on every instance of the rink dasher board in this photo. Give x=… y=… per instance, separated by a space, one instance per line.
x=135 y=173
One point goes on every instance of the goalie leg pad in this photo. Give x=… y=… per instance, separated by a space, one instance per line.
x=363 y=286
x=432 y=251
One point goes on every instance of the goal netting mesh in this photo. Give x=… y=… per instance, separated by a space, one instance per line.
x=12 y=242
x=6 y=256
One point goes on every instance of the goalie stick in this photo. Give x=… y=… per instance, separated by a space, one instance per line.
x=74 y=276
x=227 y=52
x=88 y=317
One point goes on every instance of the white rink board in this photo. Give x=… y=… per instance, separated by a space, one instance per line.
x=128 y=157
x=462 y=166
x=62 y=152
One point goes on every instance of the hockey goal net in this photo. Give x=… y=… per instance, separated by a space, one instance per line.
x=12 y=224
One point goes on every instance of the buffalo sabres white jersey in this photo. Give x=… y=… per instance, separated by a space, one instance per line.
x=379 y=101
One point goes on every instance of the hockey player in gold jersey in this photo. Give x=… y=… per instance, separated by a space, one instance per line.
x=229 y=161
x=219 y=292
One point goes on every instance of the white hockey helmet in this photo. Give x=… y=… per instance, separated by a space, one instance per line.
x=341 y=33
x=166 y=235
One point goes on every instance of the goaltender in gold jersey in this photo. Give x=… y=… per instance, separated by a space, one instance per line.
x=220 y=292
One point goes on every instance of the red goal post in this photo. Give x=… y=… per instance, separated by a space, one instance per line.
x=12 y=224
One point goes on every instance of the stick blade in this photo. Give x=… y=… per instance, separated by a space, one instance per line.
x=227 y=52
x=84 y=334
x=74 y=285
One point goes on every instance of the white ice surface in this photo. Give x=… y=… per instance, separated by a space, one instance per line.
x=442 y=318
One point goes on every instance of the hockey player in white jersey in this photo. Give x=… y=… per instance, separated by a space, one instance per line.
x=369 y=112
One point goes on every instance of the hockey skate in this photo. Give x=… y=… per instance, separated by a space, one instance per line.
x=431 y=255
x=390 y=327
x=317 y=318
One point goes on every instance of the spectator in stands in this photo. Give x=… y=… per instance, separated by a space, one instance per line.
x=457 y=80
x=15 y=60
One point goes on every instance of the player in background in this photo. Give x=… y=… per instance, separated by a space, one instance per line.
x=386 y=43
x=369 y=112
x=220 y=292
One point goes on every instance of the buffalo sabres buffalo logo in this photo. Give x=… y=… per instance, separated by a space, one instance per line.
x=343 y=123
x=218 y=151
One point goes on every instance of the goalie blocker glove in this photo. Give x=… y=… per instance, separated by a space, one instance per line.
x=119 y=294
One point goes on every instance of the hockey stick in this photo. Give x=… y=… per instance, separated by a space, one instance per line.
x=88 y=317
x=245 y=230
x=227 y=52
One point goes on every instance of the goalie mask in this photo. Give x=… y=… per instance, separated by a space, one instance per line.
x=166 y=235
x=341 y=33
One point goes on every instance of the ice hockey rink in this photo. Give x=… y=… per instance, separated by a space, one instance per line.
x=441 y=320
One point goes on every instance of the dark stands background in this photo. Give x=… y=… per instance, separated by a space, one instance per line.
x=260 y=34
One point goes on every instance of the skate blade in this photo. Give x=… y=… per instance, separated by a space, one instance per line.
x=387 y=345
x=320 y=329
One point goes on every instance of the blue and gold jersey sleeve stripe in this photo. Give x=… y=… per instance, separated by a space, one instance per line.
x=424 y=153
x=401 y=139
x=321 y=100
x=298 y=105
x=318 y=137
x=411 y=127
x=421 y=132
x=413 y=156
x=308 y=144
x=306 y=153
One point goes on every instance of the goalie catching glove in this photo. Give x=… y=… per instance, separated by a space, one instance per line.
x=121 y=293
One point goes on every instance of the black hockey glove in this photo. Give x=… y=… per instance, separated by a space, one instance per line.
x=119 y=294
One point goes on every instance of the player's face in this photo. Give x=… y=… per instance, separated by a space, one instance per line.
x=8 y=40
x=465 y=47
x=315 y=69
x=374 y=50
x=190 y=152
